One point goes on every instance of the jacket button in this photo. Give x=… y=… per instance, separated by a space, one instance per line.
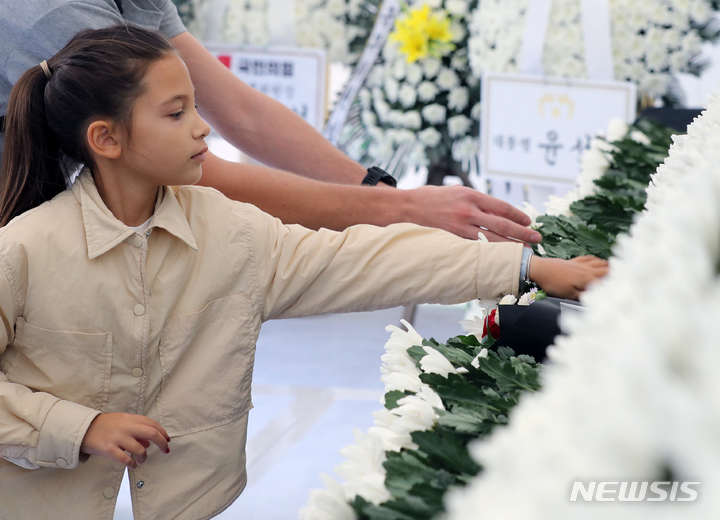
x=140 y=484
x=138 y=241
x=139 y=310
x=137 y=372
x=109 y=492
x=62 y=463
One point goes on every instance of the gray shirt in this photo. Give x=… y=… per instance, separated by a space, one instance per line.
x=35 y=30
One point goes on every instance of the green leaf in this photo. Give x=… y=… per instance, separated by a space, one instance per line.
x=447 y=450
x=392 y=398
x=417 y=353
x=509 y=376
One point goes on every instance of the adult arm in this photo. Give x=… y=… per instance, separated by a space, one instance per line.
x=262 y=128
x=298 y=200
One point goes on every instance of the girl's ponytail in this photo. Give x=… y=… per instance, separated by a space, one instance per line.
x=98 y=74
x=32 y=167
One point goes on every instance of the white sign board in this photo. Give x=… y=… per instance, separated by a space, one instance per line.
x=296 y=77
x=536 y=128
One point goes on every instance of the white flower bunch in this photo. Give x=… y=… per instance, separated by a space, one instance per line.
x=340 y=26
x=632 y=394
x=362 y=471
x=651 y=39
x=426 y=109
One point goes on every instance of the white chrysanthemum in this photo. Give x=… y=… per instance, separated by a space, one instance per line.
x=456 y=7
x=447 y=79
x=476 y=111
x=476 y=360
x=413 y=74
x=458 y=125
x=474 y=326
x=435 y=363
x=430 y=67
x=465 y=149
x=412 y=120
x=458 y=99
x=639 y=137
x=427 y=91
x=407 y=95
x=392 y=89
x=362 y=469
x=434 y=114
x=430 y=137
x=327 y=504
x=508 y=299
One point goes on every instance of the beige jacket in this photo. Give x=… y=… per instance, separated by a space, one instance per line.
x=97 y=318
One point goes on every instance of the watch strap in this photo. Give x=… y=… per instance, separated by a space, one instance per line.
x=375 y=175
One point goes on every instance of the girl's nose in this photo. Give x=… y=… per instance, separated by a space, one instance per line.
x=202 y=129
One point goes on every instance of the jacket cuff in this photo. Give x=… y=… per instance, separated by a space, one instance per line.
x=499 y=269
x=62 y=433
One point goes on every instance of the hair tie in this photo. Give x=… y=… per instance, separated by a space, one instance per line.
x=46 y=69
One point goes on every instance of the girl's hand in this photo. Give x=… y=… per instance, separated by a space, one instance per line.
x=566 y=278
x=111 y=435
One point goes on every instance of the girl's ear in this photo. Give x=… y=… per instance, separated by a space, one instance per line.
x=103 y=140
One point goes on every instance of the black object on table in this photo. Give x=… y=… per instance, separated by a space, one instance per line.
x=530 y=329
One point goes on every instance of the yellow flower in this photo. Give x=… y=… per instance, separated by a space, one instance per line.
x=422 y=33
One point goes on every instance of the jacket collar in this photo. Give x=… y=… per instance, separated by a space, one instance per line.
x=103 y=231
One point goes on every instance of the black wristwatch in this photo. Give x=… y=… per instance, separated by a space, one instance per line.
x=376 y=175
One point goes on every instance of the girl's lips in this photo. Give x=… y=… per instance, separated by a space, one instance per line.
x=200 y=156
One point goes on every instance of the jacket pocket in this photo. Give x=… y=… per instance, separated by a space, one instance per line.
x=207 y=360
x=71 y=365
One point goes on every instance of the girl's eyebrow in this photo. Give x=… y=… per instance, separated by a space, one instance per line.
x=181 y=97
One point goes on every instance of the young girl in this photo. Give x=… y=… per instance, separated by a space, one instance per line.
x=129 y=314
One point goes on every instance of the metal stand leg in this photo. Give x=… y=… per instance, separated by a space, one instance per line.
x=409 y=313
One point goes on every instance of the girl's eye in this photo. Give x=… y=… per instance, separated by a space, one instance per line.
x=177 y=115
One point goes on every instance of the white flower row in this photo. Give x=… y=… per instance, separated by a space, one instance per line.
x=633 y=391
x=651 y=39
x=363 y=471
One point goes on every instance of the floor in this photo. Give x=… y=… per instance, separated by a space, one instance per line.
x=316 y=380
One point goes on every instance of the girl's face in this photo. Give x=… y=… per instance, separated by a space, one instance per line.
x=167 y=144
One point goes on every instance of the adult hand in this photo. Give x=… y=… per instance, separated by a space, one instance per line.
x=465 y=212
x=566 y=278
x=111 y=435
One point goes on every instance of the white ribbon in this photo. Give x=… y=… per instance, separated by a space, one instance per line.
x=596 y=38
x=282 y=22
x=537 y=19
x=384 y=22
x=596 y=35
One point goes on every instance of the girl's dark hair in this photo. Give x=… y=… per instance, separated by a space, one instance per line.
x=98 y=74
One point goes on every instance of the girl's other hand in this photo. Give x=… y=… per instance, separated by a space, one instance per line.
x=111 y=435
x=566 y=278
